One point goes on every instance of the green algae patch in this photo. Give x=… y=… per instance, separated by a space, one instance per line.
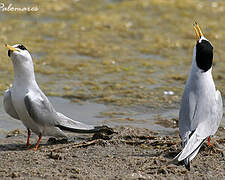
x=114 y=52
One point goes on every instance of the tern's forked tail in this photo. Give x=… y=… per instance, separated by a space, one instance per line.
x=190 y=150
x=71 y=125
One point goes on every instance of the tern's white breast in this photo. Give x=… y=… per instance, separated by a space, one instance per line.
x=18 y=94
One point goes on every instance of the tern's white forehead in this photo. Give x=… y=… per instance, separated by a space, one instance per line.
x=16 y=45
x=202 y=38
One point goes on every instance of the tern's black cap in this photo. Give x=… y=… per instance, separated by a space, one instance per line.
x=204 y=55
x=22 y=47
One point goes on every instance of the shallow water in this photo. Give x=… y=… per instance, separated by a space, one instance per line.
x=86 y=113
x=163 y=121
x=98 y=114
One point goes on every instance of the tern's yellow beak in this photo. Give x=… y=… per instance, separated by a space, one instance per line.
x=198 y=31
x=11 y=48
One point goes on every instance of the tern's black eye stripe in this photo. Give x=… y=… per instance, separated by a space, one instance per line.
x=21 y=47
x=9 y=53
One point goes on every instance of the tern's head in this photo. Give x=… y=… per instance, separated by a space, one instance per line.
x=203 y=50
x=22 y=61
x=19 y=54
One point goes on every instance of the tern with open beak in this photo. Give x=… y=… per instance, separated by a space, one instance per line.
x=26 y=102
x=201 y=108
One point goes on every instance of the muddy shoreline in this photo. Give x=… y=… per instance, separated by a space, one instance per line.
x=130 y=153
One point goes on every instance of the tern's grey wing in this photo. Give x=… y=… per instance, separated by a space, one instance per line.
x=41 y=110
x=208 y=115
x=187 y=112
x=72 y=124
x=218 y=112
x=8 y=105
x=191 y=148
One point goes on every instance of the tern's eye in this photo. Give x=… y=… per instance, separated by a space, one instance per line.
x=21 y=47
x=9 y=53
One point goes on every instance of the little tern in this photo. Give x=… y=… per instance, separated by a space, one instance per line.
x=25 y=101
x=201 y=108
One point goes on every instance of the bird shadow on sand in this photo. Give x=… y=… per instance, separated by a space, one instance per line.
x=171 y=154
x=19 y=147
x=13 y=147
x=205 y=150
x=17 y=142
x=22 y=147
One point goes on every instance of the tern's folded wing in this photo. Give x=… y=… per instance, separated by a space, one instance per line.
x=41 y=110
x=217 y=113
x=72 y=125
x=187 y=113
x=192 y=147
x=8 y=105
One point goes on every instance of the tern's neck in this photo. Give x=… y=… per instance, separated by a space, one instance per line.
x=24 y=74
x=196 y=72
x=200 y=80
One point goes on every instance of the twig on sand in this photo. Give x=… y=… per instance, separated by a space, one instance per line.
x=83 y=144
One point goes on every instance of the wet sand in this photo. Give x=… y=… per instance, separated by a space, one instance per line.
x=130 y=153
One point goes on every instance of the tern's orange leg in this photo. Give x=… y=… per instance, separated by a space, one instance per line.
x=38 y=142
x=209 y=141
x=28 y=137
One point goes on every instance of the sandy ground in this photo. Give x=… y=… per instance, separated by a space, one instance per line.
x=130 y=153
